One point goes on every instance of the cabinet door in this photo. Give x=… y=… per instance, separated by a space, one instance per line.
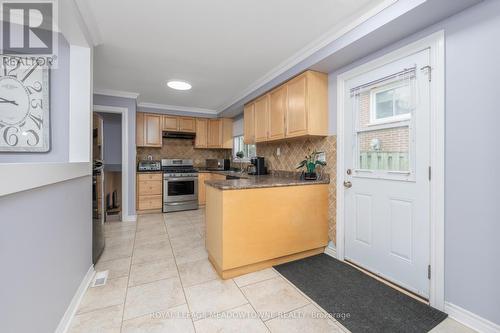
x=139 y=129
x=249 y=123
x=262 y=118
x=152 y=127
x=187 y=124
x=170 y=123
x=214 y=133
x=277 y=109
x=201 y=133
x=296 y=112
x=226 y=128
x=202 y=176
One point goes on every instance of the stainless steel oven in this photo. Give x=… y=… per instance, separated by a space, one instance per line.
x=180 y=185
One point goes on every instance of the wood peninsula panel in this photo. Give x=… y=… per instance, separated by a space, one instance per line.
x=202 y=176
x=251 y=229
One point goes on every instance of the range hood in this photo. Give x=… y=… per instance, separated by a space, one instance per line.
x=178 y=135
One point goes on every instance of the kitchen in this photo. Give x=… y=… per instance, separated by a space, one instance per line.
x=186 y=163
x=282 y=169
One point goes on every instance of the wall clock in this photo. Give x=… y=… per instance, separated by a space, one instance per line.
x=24 y=106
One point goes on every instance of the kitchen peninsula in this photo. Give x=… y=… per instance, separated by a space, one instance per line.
x=260 y=221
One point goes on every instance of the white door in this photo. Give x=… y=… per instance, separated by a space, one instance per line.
x=387 y=158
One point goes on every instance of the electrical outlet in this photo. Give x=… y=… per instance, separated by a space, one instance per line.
x=278 y=151
x=322 y=157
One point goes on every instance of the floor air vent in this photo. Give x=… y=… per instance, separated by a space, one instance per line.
x=100 y=279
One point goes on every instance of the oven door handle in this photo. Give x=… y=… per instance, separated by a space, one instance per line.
x=181 y=179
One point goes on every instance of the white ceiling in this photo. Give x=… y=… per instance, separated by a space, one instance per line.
x=222 y=47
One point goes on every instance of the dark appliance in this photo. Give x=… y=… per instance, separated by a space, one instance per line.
x=259 y=166
x=180 y=185
x=97 y=211
x=217 y=164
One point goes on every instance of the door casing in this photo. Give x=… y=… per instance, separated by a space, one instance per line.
x=434 y=42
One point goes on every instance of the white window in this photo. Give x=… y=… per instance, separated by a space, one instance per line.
x=248 y=150
x=390 y=103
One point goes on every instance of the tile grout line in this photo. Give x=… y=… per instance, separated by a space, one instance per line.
x=178 y=273
x=128 y=277
x=262 y=321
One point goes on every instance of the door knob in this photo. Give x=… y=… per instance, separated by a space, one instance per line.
x=347 y=184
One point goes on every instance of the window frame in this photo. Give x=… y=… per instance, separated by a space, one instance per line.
x=244 y=159
x=373 y=106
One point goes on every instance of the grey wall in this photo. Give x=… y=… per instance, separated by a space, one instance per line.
x=112 y=136
x=131 y=105
x=472 y=212
x=59 y=115
x=45 y=251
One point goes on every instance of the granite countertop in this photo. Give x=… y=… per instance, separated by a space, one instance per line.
x=224 y=172
x=276 y=179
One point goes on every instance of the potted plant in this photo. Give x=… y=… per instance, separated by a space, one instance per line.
x=310 y=163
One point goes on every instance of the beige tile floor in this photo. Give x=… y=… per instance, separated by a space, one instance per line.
x=160 y=280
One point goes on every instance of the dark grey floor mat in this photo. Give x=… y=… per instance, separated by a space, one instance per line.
x=358 y=301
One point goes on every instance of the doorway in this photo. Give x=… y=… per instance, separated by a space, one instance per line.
x=390 y=131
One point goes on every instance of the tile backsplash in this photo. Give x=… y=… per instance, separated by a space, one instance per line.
x=182 y=148
x=294 y=151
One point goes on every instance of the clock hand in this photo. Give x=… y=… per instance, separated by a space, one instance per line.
x=3 y=100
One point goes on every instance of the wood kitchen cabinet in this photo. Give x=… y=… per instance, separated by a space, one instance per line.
x=220 y=133
x=307 y=105
x=187 y=124
x=262 y=118
x=148 y=130
x=202 y=176
x=170 y=123
x=296 y=108
x=277 y=110
x=149 y=191
x=210 y=133
x=179 y=124
x=249 y=123
x=201 y=133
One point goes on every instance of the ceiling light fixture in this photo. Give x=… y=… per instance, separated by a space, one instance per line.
x=179 y=85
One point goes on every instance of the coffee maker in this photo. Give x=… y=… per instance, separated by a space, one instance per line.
x=258 y=166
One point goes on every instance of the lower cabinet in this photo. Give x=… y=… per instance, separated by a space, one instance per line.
x=202 y=176
x=149 y=191
x=202 y=189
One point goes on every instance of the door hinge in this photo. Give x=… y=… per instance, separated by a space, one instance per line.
x=429 y=71
x=430 y=173
x=429 y=272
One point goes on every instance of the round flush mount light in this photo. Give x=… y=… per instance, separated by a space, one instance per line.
x=179 y=85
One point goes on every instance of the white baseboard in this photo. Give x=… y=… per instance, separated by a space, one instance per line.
x=330 y=250
x=75 y=302
x=470 y=319
x=129 y=218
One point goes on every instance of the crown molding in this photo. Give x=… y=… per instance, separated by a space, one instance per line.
x=116 y=93
x=325 y=39
x=90 y=21
x=177 y=108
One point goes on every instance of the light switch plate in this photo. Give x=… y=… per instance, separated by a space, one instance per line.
x=278 y=151
x=322 y=157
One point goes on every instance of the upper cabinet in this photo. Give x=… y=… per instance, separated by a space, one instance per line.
x=220 y=133
x=249 y=123
x=210 y=133
x=179 y=124
x=277 y=105
x=296 y=108
x=201 y=133
x=148 y=130
x=170 y=123
x=262 y=118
